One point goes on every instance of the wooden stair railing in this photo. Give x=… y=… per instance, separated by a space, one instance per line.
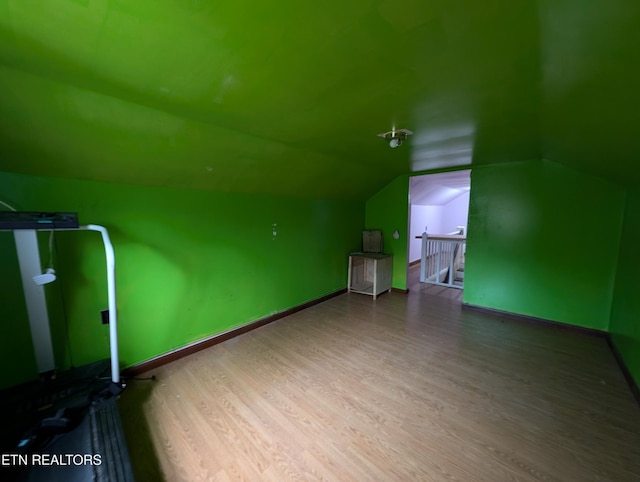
x=441 y=259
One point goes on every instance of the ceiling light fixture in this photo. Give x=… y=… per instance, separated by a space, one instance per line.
x=395 y=137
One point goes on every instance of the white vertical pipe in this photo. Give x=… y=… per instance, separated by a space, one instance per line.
x=29 y=261
x=111 y=289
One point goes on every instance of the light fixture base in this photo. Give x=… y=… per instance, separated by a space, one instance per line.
x=395 y=137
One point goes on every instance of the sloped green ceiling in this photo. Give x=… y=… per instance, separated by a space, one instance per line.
x=590 y=71
x=288 y=97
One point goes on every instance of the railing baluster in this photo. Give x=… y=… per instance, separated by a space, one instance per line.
x=438 y=262
x=424 y=259
x=443 y=254
x=451 y=256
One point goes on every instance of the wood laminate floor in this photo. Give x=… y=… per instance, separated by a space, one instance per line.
x=404 y=388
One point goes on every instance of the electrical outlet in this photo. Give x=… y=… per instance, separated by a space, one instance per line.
x=104 y=314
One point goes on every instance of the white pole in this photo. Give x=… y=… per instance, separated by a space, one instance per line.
x=34 y=295
x=111 y=289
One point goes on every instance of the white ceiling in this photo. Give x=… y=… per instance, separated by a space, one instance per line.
x=439 y=189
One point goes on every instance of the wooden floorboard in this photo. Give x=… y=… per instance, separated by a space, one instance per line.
x=406 y=387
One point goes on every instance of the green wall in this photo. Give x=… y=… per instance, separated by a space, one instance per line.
x=625 y=313
x=388 y=210
x=190 y=264
x=543 y=241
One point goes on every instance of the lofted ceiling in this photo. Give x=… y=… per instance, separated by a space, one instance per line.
x=288 y=97
x=439 y=189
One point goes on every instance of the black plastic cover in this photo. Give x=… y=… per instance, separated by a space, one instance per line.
x=37 y=220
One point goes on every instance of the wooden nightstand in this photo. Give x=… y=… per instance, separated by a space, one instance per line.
x=370 y=273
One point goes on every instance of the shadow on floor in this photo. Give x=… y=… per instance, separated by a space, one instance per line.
x=142 y=452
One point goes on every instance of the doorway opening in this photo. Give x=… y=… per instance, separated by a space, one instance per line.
x=439 y=207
